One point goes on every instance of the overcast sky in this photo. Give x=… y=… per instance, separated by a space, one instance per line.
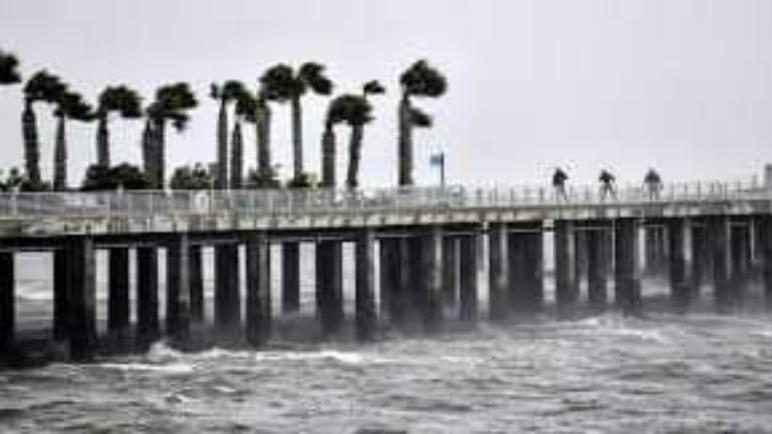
x=681 y=85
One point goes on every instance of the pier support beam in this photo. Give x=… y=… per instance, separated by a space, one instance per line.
x=148 y=328
x=765 y=250
x=654 y=248
x=724 y=296
x=534 y=269
x=178 y=290
x=82 y=289
x=61 y=296
x=498 y=256
x=431 y=281
x=329 y=285
x=517 y=291
x=740 y=244
x=258 y=310
x=290 y=277
x=468 y=269
x=119 y=308
x=580 y=258
x=7 y=301
x=679 y=285
x=699 y=253
x=365 y=285
x=526 y=268
x=391 y=304
x=197 y=303
x=627 y=286
x=227 y=297
x=450 y=270
x=597 y=270
x=566 y=290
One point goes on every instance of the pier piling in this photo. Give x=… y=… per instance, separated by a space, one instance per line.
x=627 y=285
x=450 y=270
x=81 y=266
x=178 y=290
x=679 y=285
x=329 y=285
x=61 y=297
x=227 y=296
x=290 y=277
x=468 y=270
x=148 y=328
x=566 y=289
x=7 y=300
x=498 y=256
x=597 y=269
x=699 y=246
x=365 y=285
x=258 y=309
x=724 y=296
x=431 y=279
x=196 y=275
x=389 y=279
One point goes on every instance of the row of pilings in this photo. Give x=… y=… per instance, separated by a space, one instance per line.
x=426 y=274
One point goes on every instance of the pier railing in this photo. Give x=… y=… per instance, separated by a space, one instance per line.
x=287 y=202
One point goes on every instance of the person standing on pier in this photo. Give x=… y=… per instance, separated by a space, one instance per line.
x=653 y=184
x=559 y=179
x=606 y=184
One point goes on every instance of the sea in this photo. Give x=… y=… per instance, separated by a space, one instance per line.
x=603 y=373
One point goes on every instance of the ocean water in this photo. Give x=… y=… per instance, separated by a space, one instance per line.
x=664 y=373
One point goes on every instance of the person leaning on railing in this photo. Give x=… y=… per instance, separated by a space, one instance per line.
x=653 y=184
x=559 y=179
x=607 y=184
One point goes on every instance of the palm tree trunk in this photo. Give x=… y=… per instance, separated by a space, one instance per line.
x=221 y=180
x=237 y=156
x=405 y=143
x=31 y=144
x=297 y=137
x=263 y=135
x=328 y=157
x=148 y=152
x=60 y=156
x=355 y=156
x=103 y=142
x=160 y=153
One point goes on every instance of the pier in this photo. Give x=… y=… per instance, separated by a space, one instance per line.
x=417 y=256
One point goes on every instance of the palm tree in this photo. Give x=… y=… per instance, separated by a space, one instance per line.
x=420 y=80
x=121 y=99
x=265 y=174
x=171 y=104
x=41 y=87
x=329 y=145
x=282 y=84
x=355 y=111
x=9 y=73
x=225 y=94
x=69 y=105
x=246 y=110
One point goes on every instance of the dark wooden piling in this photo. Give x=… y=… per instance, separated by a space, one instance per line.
x=178 y=290
x=329 y=285
x=468 y=270
x=534 y=269
x=81 y=266
x=597 y=269
x=290 y=269
x=410 y=275
x=566 y=289
x=699 y=255
x=516 y=254
x=61 y=297
x=7 y=300
x=580 y=257
x=227 y=296
x=148 y=327
x=365 y=285
x=740 y=256
x=196 y=275
x=498 y=256
x=765 y=250
x=723 y=293
x=258 y=309
x=118 y=303
x=680 y=293
x=431 y=281
x=627 y=284
x=450 y=270
x=390 y=296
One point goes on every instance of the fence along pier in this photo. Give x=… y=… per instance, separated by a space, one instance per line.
x=429 y=244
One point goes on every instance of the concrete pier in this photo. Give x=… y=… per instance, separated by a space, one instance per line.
x=566 y=289
x=365 y=285
x=118 y=304
x=498 y=255
x=740 y=256
x=410 y=274
x=627 y=285
x=580 y=257
x=517 y=292
x=390 y=279
x=7 y=300
x=655 y=247
x=258 y=309
x=290 y=277
x=329 y=285
x=431 y=279
x=597 y=268
x=148 y=327
x=699 y=254
x=196 y=275
x=61 y=306
x=450 y=272
x=178 y=290
x=680 y=293
x=81 y=266
x=468 y=269
x=723 y=293
x=227 y=296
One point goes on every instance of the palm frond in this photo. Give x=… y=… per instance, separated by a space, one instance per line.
x=9 y=73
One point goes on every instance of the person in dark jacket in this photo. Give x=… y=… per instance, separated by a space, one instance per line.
x=559 y=179
x=607 y=184
x=653 y=184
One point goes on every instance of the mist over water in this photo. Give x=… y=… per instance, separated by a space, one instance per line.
x=607 y=373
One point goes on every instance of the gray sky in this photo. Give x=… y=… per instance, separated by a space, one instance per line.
x=682 y=85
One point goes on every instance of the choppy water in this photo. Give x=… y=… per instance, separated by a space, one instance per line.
x=603 y=374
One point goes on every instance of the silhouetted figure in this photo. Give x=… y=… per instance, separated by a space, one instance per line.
x=606 y=184
x=559 y=183
x=653 y=184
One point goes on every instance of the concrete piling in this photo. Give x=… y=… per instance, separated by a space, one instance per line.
x=724 y=296
x=517 y=294
x=7 y=300
x=627 y=285
x=365 y=285
x=765 y=250
x=534 y=269
x=431 y=279
x=196 y=275
x=699 y=255
x=148 y=327
x=227 y=296
x=597 y=269
x=258 y=309
x=566 y=290
x=329 y=285
x=680 y=293
x=81 y=265
x=290 y=267
x=61 y=297
x=498 y=255
x=178 y=290
x=450 y=272
x=740 y=256
x=390 y=296
x=468 y=268
x=119 y=307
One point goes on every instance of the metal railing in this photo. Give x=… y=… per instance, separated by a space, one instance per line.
x=303 y=202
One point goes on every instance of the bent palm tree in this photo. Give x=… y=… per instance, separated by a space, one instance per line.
x=69 y=105
x=9 y=74
x=121 y=99
x=282 y=84
x=225 y=94
x=265 y=174
x=354 y=110
x=41 y=87
x=171 y=104
x=246 y=108
x=420 y=80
